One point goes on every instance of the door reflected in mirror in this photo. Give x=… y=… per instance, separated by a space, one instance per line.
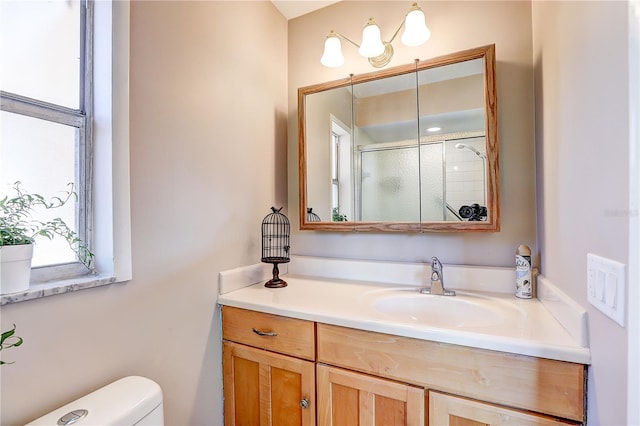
x=412 y=148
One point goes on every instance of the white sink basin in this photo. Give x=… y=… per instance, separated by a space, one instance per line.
x=464 y=310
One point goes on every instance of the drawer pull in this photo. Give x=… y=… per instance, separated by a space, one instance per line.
x=304 y=403
x=265 y=333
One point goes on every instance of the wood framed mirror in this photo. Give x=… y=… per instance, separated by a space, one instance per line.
x=408 y=149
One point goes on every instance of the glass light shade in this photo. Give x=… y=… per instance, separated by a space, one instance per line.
x=415 y=29
x=332 y=56
x=371 y=45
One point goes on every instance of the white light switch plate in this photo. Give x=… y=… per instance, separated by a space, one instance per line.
x=605 y=286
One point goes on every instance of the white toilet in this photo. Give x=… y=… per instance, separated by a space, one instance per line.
x=129 y=401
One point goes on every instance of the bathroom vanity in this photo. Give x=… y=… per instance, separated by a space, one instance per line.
x=328 y=351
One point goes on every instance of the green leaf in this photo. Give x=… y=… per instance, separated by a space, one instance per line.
x=7 y=334
x=8 y=339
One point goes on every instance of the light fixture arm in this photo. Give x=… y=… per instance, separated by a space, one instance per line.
x=344 y=38
x=398 y=30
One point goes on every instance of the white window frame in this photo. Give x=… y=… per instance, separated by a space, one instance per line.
x=335 y=170
x=340 y=140
x=111 y=219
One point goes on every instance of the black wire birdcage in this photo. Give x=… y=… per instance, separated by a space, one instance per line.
x=311 y=216
x=275 y=244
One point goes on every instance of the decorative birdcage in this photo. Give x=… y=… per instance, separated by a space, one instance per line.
x=311 y=216
x=275 y=244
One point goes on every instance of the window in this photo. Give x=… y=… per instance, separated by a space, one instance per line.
x=341 y=175
x=335 y=167
x=65 y=122
x=46 y=114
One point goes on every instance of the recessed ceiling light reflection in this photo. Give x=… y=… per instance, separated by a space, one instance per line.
x=433 y=129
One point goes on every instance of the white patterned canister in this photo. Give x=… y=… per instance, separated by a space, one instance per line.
x=524 y=285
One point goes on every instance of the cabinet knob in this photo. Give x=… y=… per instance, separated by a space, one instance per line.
x=265 y=333
x=304 y=403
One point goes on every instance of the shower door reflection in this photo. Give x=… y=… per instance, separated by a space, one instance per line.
x=433 y=195
x=448 y=175
x=390 y=185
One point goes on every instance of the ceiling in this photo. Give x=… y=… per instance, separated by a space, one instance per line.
x=294 y=8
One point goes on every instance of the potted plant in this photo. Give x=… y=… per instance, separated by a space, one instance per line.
x=8 y=339
x=18 y=231
x=336 y=216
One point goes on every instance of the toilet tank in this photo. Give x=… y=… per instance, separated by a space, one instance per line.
x=132 y=400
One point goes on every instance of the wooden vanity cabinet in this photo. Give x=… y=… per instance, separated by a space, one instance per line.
x=274 y=365
x=261 y=386
x=500 y=382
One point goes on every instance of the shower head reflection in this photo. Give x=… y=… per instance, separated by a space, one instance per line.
x=472 y=149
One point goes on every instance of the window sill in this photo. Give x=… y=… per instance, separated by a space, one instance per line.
x=39 y=290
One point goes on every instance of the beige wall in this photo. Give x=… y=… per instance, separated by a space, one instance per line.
x=208 y=137
x=434 y=98
x=582 y=125
x=455 y=26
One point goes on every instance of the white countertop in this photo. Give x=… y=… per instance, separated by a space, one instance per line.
x=525 y=326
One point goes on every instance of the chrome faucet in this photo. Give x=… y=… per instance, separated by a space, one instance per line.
x=437 y=280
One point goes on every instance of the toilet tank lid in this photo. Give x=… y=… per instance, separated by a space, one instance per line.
x=123 y=402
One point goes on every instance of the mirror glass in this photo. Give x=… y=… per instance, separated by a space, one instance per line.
x=387 y=164
x=412 y=148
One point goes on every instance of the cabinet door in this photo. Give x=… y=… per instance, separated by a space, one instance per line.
x=451 y=410
x=348 y=398
x=265 y=388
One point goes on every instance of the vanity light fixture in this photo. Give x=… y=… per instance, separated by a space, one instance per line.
x=378 y=52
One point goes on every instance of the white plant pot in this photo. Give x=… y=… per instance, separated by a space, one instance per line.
x=15 y=268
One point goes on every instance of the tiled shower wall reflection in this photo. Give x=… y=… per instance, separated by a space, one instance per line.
x=465 y=173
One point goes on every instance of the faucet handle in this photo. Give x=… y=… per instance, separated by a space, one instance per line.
x=437 y=280
x=436 y=266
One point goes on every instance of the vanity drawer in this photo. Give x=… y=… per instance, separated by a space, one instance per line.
x=272 y=332
x=541 y=385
